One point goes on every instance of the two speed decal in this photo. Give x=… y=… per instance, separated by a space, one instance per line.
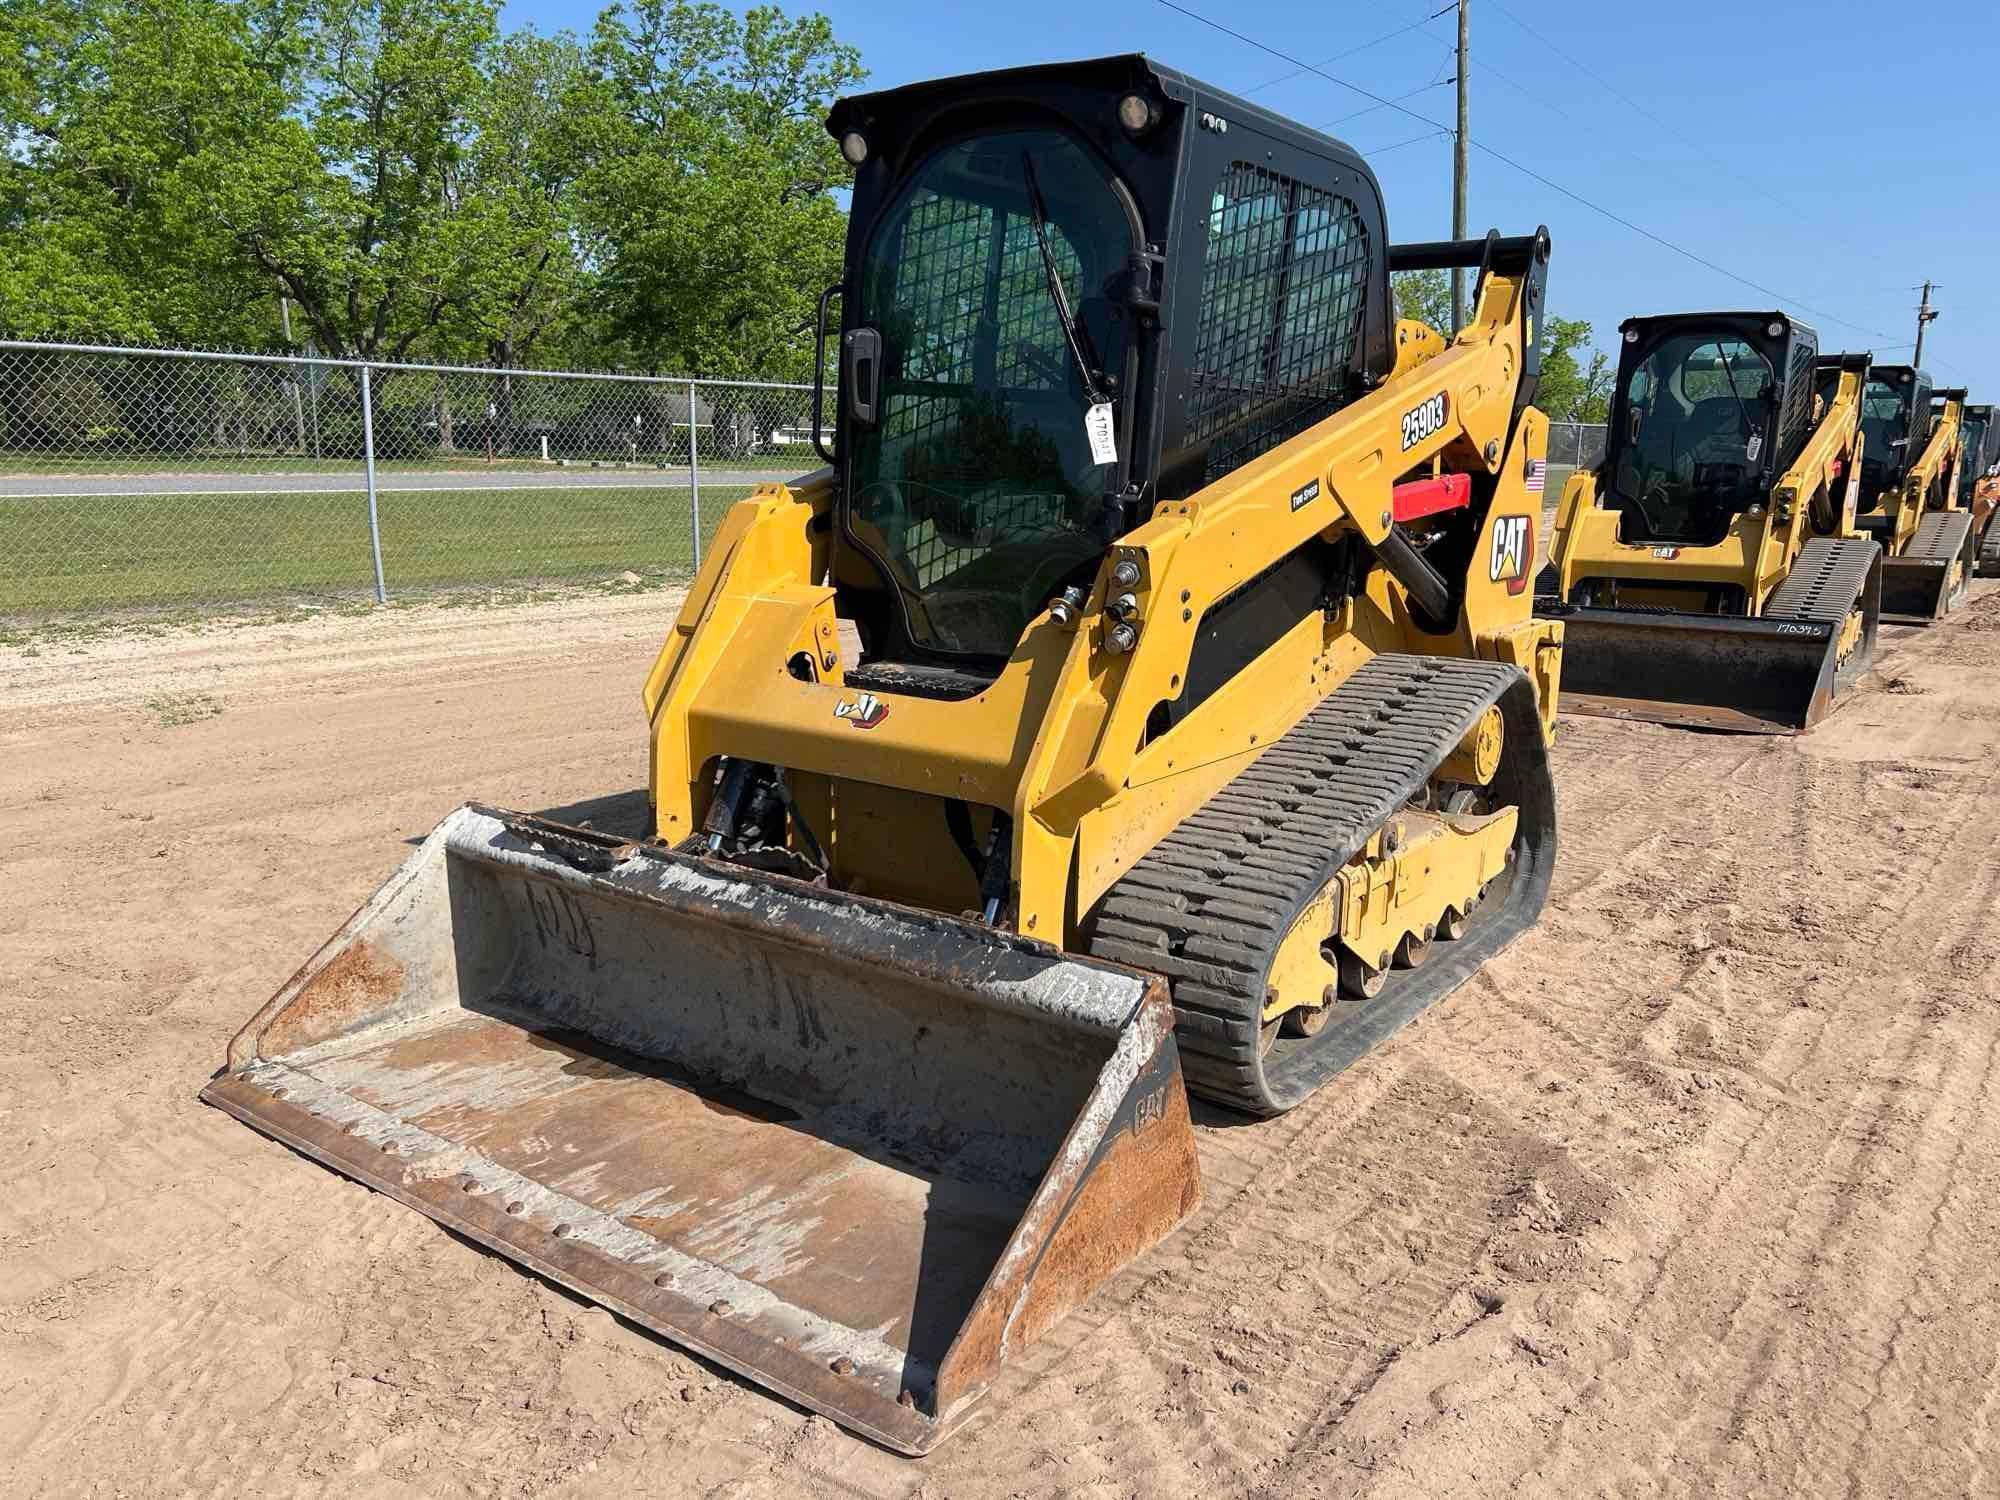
x=1425 y=420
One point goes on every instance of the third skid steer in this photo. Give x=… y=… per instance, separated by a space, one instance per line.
x=1909 y=498
x=1145 y=697
x=1979 y=483
x=1707 y=571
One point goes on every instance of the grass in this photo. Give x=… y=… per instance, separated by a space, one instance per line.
x=84 y=553
x=171 y=710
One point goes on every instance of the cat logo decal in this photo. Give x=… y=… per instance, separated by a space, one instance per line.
x=1513 y=551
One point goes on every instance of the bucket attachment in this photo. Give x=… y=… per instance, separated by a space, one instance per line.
x=858 y=1153
x=1932 y=579
x=1778 y=673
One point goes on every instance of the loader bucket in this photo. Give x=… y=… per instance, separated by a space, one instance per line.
x=1760 y=676
x=857 y=1153
x=1935 y=575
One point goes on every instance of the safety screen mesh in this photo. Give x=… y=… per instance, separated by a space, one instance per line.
x=945 y=538
x=956 y=290
x=1031 y=353
x=1283 y=289
x=1795 y=422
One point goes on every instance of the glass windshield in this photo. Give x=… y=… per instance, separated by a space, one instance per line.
x=1970 y=466
x=1697 y=418
x=1884 y=424
x=978 y=491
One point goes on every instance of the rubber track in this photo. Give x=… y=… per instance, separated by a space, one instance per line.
x=1940 y=535
x=1825 y=580
x=1208 y=906
x=1989 y=545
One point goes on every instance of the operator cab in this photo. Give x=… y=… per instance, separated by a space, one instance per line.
x=1071 y=292
x=1895 y=424
x=1982 y=450
x=1709 y=409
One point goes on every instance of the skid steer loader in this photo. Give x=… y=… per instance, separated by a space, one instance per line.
x=1909 y=498
x=1707 y=571
x=1979 y=484
x=1145 y=697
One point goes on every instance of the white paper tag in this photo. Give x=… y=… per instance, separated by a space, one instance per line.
x=1754 y=447
x=1097 y=427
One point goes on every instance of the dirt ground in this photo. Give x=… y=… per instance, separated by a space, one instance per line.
x=1694 y=1191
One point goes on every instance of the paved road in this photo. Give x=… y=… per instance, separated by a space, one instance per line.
x=44 y=486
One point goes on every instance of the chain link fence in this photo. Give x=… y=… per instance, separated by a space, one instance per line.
x=1576 y=445
x=138 y=478
x=135 y=479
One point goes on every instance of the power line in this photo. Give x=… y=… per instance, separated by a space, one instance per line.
x=1387 y=36
x=1527 y=171
x=1422 y=88
x=1428 y=135
x=1619 y=94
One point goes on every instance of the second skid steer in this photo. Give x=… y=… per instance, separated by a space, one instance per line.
x=1145 y=697
x=1707 y=571
x=1909 y=498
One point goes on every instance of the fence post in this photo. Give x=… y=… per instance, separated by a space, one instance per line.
x=694 y=477
x=368 y=454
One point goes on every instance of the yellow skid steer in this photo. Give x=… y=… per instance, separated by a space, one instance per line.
x=1145 y=697
x=1708 y=571
x=1910 y=500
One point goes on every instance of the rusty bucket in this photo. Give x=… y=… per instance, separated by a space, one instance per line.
x=859 y=1154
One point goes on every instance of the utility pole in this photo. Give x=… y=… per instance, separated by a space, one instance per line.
x=1926 y=315
x=1458 y=171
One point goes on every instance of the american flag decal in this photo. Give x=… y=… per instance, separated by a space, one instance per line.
x=1538 y=475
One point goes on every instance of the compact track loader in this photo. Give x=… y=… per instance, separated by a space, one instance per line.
x=1979 y=483
x=1145 y=697
x=1708 y=571
x=1909 y=498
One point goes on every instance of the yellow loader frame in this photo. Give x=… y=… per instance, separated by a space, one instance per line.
x=1057 y=742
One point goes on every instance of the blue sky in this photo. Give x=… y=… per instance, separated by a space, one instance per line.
x=1834 y=152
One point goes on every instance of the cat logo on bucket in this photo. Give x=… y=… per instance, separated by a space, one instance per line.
x=1513 y=549
x=863 y=712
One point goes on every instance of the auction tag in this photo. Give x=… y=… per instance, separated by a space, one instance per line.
x=1754 y=447
x=1097 y=427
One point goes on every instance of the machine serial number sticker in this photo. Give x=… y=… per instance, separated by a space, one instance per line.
x=1097 y=427
x=1513 y=550
x=1305 y=494
x=1425 y=421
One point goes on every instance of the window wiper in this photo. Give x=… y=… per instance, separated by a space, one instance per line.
x=1755 y=434
x=1074 y=334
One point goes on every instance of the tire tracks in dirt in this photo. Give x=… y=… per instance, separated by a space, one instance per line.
x=1689 y=1191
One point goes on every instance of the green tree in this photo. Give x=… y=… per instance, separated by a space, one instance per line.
x=359 y=205
x=414 y=184
x=709 y=205
x=1573 y=389
x=119 y=117
x=391 y=166
x=529 y=153
x=1425 y=296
